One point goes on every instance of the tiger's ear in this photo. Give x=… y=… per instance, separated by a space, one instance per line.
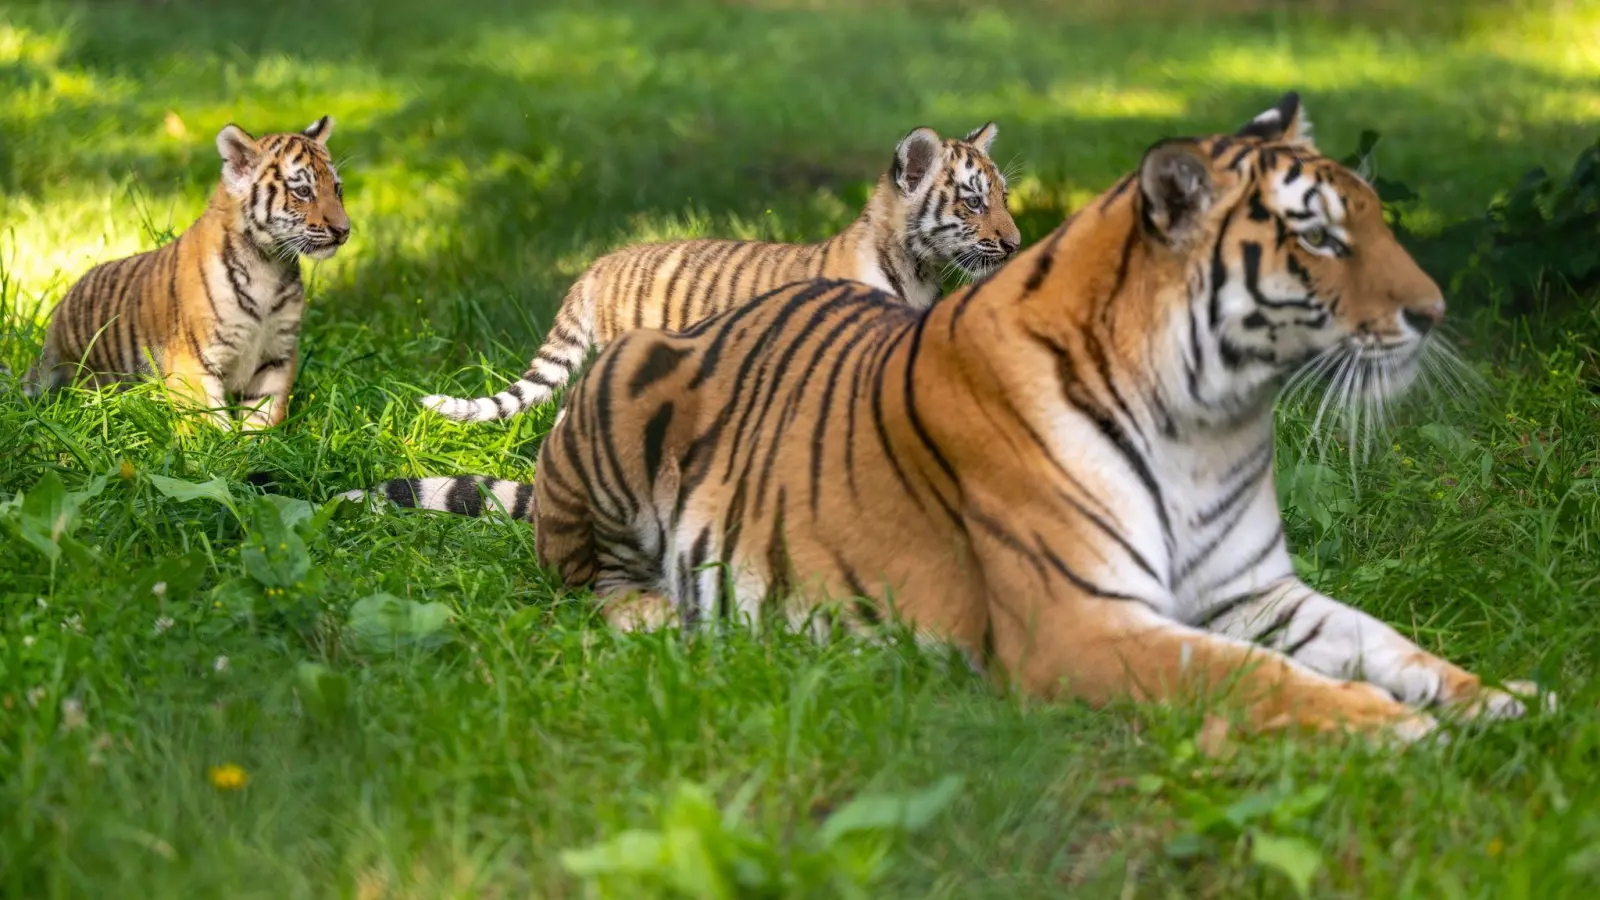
x=320 y=130
x=983 y=137
x=1284 y=122
x=1175 y=189
x=914 y=159
x=239 y=156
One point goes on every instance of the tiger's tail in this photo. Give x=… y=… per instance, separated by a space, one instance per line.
x=464 y=495
x=562 y=353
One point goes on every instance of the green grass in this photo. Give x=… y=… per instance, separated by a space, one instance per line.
x=491 y=149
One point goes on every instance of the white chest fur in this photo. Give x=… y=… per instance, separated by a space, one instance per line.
x=257 y=304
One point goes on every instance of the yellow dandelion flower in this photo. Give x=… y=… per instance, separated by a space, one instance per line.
x=228 y=777
x=125 y=470
x=1496 y=847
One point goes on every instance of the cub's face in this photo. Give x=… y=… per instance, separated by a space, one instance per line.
x=1298 y=266
x=955 y=199
x=290 y=195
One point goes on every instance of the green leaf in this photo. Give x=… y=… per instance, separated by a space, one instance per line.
x=324 y=692
x=885 y=812
x=183 y=491
x=48 y=513
x=1296 y=858
x=273 y=554
x=384 y=622
x=291 y=510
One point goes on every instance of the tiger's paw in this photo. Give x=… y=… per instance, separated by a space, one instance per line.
x=1511 y=701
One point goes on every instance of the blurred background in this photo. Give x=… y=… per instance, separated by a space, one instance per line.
x=492 y=148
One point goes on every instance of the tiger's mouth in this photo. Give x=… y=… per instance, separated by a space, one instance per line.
x=324 y=249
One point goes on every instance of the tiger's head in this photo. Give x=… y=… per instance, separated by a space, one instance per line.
x=954 y=200
x=1286 y=265
x=290 y=198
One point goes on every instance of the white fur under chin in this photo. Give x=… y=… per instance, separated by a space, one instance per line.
x=324 y=252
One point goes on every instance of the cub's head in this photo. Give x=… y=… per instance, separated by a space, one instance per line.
x=1287 y=261
x=289 y=195
x=954 y=200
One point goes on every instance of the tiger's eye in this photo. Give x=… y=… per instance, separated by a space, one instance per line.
x=1316 y=236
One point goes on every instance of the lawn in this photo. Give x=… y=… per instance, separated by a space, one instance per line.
x=169 y=728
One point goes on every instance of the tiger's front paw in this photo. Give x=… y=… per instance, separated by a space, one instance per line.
x=1511 y=701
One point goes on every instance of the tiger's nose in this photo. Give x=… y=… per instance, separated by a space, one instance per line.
x=1008 y=246
x=341 y=233
x=1424 y=316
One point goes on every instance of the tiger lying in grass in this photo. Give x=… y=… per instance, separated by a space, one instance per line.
x=217 y=310
x=942 y=202
x=1066 y=470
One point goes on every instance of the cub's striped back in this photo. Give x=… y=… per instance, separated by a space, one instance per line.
x=942 y=202
x=216 y=311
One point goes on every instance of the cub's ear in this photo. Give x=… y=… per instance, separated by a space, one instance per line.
x=1284 y=122
x=320 y=130
x=983 y=137
x=914 y=159
x=1175 y=189
x=239 y=156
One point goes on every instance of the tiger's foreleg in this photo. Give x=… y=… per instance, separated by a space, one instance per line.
x=1061 y=626
x=190 y=381
x=1342 y=642
x=267 y=393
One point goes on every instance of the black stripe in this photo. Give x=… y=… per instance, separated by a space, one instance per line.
x=655 y=436
x=520 y=503
x=464 y=497
x=845 y=354
x=406 y=492
x=1313 y=634
x=1281 y=622
x=660 y=361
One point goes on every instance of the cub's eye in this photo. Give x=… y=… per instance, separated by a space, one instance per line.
x=974 y=202
x=301 y=193
x=1315 y=237
x=338 y=190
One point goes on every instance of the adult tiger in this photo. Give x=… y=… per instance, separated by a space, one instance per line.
x=942 y=202
x=1065 y=469
x=218 y=309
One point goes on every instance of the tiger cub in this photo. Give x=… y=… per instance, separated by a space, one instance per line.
x=217 y=310
x=942 y=202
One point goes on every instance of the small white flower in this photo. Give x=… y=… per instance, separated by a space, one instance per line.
x=27 y=640
x=220 y=664
x=159 y=589
x=35 y=694
x=73 y=622
x=72 y=716
x=42 y=604
x=163 y=623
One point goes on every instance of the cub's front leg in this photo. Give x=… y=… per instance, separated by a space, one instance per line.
x=1342 y=642
x=266 y=395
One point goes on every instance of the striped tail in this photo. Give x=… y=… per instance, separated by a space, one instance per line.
x=464 y=495
x=563 y=351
